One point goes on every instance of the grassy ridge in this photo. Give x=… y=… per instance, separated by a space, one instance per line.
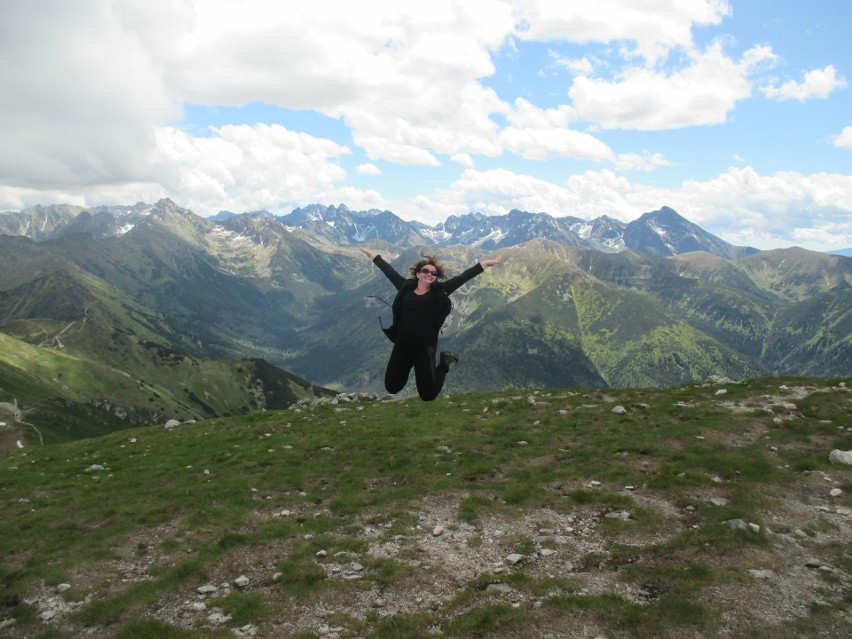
x=66 y=395
x=263 y=494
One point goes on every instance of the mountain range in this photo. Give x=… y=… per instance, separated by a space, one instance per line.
x=147 y=288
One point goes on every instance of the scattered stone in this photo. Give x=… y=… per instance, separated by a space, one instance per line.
x=754 y=528
x=621 y=515
x=718 y=501
x=209 y=589
x=514 y=559
x=735 y=524
x=218 y=618
x=841 y=457
x=241 y=582
x=95 y=468
x=63 y=588
x=722 y=391
x=619 y=410
x=761 y=574
x=172 y=423
x=813 y=563
x=438 y=531
x=321 y=554
x=835 y=492
x=594 y=483
x=499 y=587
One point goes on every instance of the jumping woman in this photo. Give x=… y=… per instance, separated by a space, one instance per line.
x=420 y=307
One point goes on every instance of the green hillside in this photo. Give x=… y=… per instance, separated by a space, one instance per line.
x=698 y=511
x=178 y=289
x=65 y=396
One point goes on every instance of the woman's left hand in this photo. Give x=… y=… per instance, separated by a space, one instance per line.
x=494 y=262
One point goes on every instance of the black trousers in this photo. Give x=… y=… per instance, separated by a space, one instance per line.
x=428 y=377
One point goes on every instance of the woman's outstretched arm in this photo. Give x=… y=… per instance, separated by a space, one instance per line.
x=486 y=263
x=396 y=279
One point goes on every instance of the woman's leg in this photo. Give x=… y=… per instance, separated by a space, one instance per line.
x=429 y=378
x=398 y=369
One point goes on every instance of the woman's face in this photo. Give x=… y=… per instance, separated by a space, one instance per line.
x=427 y=275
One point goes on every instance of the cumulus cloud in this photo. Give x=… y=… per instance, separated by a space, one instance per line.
x=464 y=159
x=405 y=77
x=81 y=98
x=701 y=93
x=94 y=93
x=818 y=84
x=539 y=134
x=368 y=169
x=764 y=211
x=577 y=66
x=653 y=26
x=844 y=140
x=492 y=192
x=740 y=205
x=248 y=167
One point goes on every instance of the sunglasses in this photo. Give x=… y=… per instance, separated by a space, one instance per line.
x=428 y=271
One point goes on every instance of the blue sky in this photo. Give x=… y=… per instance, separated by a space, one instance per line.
x=737 y=114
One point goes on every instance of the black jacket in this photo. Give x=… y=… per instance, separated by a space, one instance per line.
x=442 y=306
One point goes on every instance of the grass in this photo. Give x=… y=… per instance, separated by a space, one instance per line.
x=305 y=495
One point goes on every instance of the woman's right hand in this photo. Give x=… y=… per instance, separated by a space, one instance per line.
x=368 y=252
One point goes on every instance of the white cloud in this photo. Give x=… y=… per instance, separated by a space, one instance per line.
x=655 y=26
x=646 y=99
x=464 y=159
x=91 y=107
x=405 y=77
x=246 y=168
x=577 y=66
x=764 y=211
x=645 y=161
x=81 y=96
x=819 y=83
x=844 y=140
x=740 y=205
x=368 y=169
x=491 y=192
x=539 y=134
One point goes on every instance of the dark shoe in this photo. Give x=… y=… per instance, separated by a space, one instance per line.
x=447 y=359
